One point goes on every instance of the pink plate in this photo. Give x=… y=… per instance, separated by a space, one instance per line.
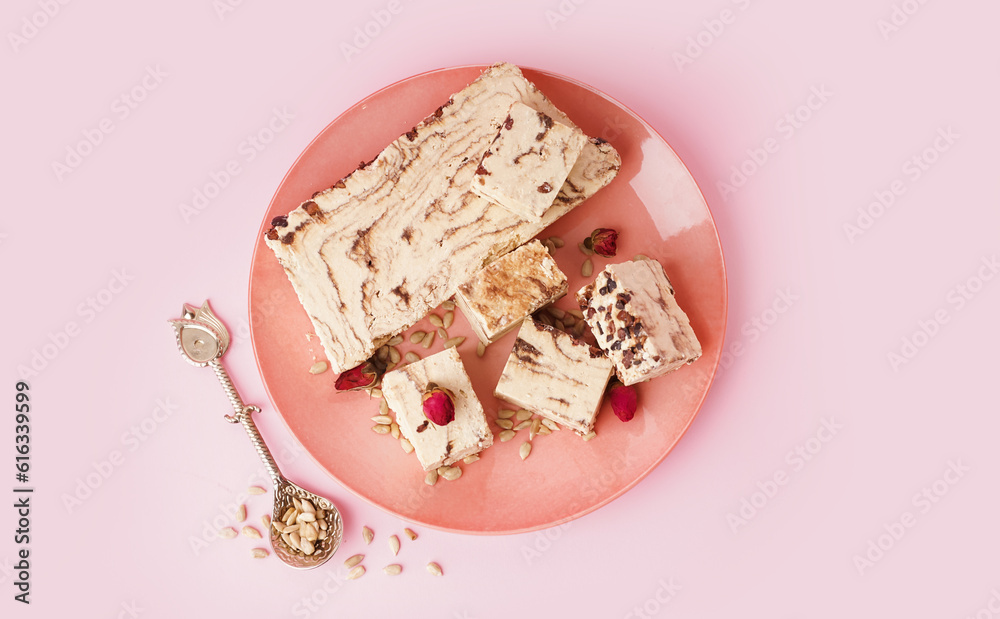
x=659 y=211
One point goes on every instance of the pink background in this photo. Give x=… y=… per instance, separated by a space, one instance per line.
x=820 y=317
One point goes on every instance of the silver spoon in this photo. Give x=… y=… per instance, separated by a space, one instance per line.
x=202 y=340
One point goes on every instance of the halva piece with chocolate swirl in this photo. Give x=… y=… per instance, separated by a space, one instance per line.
x=372 y=255
x=632 y=311
x=555 y=375
x=436 y=445
x=528 y=160
x=497 y=298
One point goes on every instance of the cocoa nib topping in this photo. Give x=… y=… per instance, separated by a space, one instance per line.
x=620 y=304
x=598 y=141
x=482 y=170
x=507 y=124
x=279 y=222
x=616 y=346
x=339 y=184
x=288 y=238
x=546 y=124
x=423 y=426
x=412 y=134
x=611 y=284
x=591 y=312
x=272 y=234
x=544 y=188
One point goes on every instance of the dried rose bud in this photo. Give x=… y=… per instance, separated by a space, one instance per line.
x=361 y=377
x=623 y=401
x=603 y=241
x=439 y=405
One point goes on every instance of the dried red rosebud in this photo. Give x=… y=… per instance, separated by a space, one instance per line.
x=623 y=401
x=439 y=405
x=361 y=377
x=603 y=241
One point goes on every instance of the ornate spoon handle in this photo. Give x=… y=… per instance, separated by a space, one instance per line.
x=243 y=414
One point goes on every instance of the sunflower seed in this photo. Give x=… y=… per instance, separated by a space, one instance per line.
x=376 y=393
x=307 y=517
x=639 y=257
x=278 y=526
x=309 y=532
x=506 y=424
x=356 y=573
x=259 y=553
x=307 y=506
x=394 y=355
x=480 y=349
x=556 y=312
x=406 y=445
x=505 y=413
x=545 y=319
x=549 y=245
x=442 y=333
x=383 y=407
x=543 y=431
x=322 y=524
x=586 y=250
x=522 y=426
x=394 y=430
x=590 y=435
x=551 y=425
x=382 y=354
x=252 y=490
x=291 y=528
x=569 y=321
x=536 y=423
x=417 y=336
x=410 y=533
x=428 y=339
x=557 y=241
x=394 y=544
x=448 y=305
x=251 y=532
x=241 y=513
x=318 y=368
x=391 y=367
x=266 y=520
x=431 y=477
x=393 y=569
x=228 y=533
x=307 y=546
x=506 y=435
x=323 y=533
x=525 y=450
x=382 y=419
x=395 y=340
x=449 y=319
x=523 y=414
x=588 y=268
x=380 y=429
x=287 y=515
x=411 y=357
x=352 y=561
x=579 y=328
x=452 y=473
x=285 y=537
x=435 y=320
x=471 y=459
x=435 y=569
x=558 y=324
x=367 y=534
x=455 y=341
